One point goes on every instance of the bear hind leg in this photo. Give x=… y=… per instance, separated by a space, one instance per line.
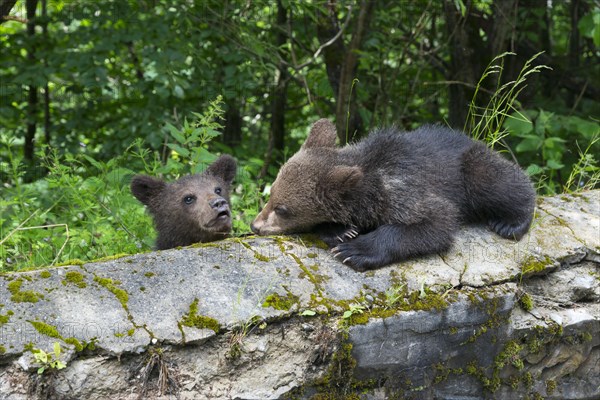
x=498 y=192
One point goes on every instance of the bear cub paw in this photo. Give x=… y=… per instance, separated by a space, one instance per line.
x=334 y=234
x=509 y=230
x=359 y=253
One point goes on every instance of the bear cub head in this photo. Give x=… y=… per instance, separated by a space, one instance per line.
x=192 y=209
x=311 y=188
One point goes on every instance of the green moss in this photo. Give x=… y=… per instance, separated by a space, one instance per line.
x=311 y=255
x=192 y=319
x=76 y=278
x=577 y=338
x=119 y=293
x=431 y=301
x=257 y=255
x=26 y=296
x=513 y=381
x=533 y=266
x=313 y=240
x=2 y=349
x=314 y=278
x=509 y=355
x=527 y=379
x=526 y=302
x=45 y=274
x=110 y=258
x=46 y=329
x=489 y=305
x=149 y=274
x=339 y=376
x=491 y=384
x=75 y=261
x=75 y=343
x=442 y=372
x=5 y=318
x=550 y=386
x=279 y=302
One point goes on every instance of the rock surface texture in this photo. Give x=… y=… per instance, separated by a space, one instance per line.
x=268 y=318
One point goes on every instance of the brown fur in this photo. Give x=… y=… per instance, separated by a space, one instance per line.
x=395 y=195
x=193 y=209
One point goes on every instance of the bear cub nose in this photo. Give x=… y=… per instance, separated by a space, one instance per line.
x=253 y=228
x=218 y=202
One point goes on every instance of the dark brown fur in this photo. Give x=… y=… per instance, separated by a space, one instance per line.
x=193 y=209
x=395 y=195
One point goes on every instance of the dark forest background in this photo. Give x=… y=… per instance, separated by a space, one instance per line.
x=94 y=92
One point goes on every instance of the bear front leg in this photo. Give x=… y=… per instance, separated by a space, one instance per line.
x=392 y=243
x=333 y=234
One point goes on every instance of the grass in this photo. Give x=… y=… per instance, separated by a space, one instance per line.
x=487 y=123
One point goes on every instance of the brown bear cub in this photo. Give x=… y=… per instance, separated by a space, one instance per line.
x=395 y=195
x=193 y=209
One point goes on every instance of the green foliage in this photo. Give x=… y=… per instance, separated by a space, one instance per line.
x=83 y=208
x=543 y=142
x=125 y=79
x=353 y=310
x=49 y=361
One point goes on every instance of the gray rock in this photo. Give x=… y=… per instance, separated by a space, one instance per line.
x=265 y=318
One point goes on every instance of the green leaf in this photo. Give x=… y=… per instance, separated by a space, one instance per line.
x=541 y=122
x=203 y=156
x=42 y=357
x=59 y=364
x=308 y=313
x=56 y=349
x=589 y=26
x=180 y=150
x=347 y=314
x=586 y=128
x=554 y=164
x=530 y=144
x=551 y=142
x=211 y=133
x=460 y=6
x=177 y=135
x=95 y=163
x=41 y=370
x=518 y=124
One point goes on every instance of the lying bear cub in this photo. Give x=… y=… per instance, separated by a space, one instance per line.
x=395 y=195
x=193 y=209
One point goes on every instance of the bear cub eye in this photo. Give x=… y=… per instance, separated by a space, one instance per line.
x=218 y=191
x=189 y=199
x=282 y=211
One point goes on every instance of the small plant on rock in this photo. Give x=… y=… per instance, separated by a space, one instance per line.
x=48 y=360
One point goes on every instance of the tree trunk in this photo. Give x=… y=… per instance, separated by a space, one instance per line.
x=342 y=64
x=278 y=96
x=47 y=124
x=32 y=100
x=574 y=47
x=461 y=69
x=232 y=134
x=5 y=7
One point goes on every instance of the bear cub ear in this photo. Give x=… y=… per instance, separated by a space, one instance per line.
x=344 y=177
x=322 y=134
x=224 y=167
x=144 y=188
